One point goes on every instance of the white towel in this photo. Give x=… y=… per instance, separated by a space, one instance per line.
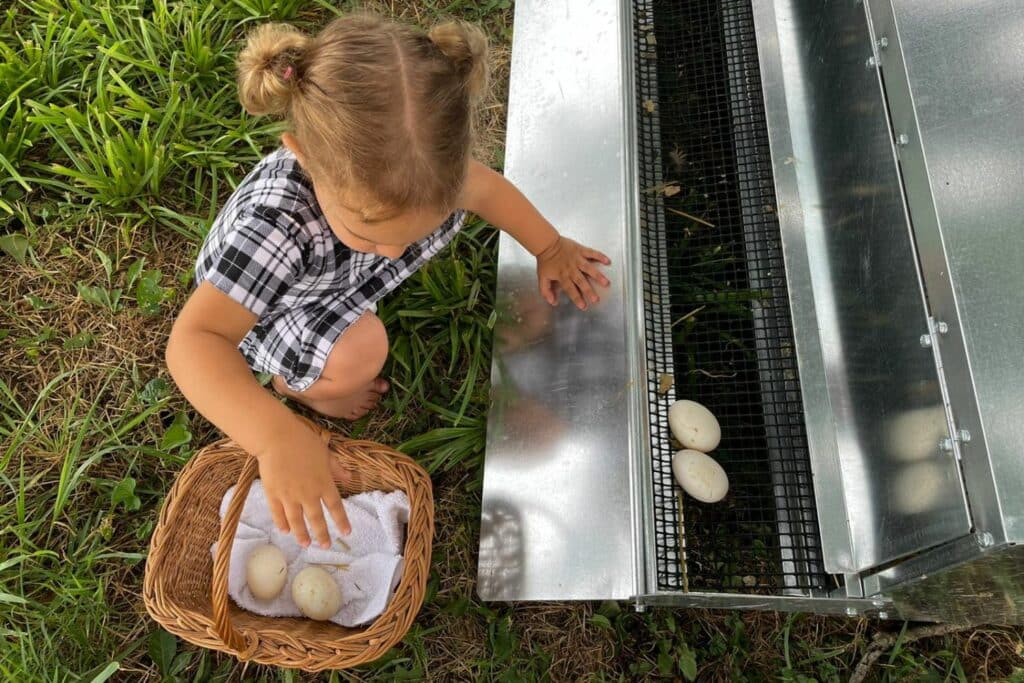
x=373 y=553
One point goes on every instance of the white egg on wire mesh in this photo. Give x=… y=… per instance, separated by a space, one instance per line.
x=700 y=476
x=316 y=593
x=694 y=426
x=266 y=571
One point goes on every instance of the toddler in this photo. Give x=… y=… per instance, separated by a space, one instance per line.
x=374 y=177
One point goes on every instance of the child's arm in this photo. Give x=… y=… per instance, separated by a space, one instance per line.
x=203 y=358
x=561 y=263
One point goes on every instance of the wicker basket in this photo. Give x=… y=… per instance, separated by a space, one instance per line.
x=186 y=591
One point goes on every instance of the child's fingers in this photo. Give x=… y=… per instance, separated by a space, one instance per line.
x=317 y=524
x=595 y=255
x=576 y=295
x=277 y=514
x=585 y=288
x=333 y=502
x=595 y=273
x=548 y=291
x=297 y=523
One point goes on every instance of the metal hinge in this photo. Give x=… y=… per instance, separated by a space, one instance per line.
x=957 y=436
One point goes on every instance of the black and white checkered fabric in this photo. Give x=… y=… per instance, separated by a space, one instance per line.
x=271 y=250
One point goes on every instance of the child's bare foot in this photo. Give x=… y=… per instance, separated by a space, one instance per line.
x=350 y=407
x=356 y=405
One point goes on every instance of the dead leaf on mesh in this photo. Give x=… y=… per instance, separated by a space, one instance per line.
x=665 y=382
x=650 y=106
x=671 y=190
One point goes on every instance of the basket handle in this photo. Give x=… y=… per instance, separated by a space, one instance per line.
x=219 y=587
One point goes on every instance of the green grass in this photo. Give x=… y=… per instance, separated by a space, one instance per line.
x=120 y=135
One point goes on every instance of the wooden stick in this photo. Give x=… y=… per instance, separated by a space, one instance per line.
x=692 y=218
x=689 y=315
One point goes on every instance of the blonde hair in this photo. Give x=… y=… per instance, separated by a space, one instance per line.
x=379 y=108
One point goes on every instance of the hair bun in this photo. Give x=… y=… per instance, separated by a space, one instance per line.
x=465 y=45
x=269 y=68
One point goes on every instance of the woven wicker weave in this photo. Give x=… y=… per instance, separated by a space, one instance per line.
x=185 y=590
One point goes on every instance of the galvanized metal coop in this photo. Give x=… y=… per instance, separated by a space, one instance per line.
x=815 y=212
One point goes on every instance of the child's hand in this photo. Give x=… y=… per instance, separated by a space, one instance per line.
x=571 y=267
x=296 y=477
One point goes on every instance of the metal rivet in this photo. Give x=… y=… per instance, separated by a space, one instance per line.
x=926 y=341
x=964 y=436
x=882 y=43
x=871 y=63
x=851 y=612
x=985 y=539
x=902 y=139
x=946 y=445
x=942 y=327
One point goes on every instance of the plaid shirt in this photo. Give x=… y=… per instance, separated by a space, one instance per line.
x=271 y=250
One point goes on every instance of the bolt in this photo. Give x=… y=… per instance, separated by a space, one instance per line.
x=902 y=139
x=882 y=43
x=985 y=539
x=926 y=341
x=964 y=436
x=942 y=327
x=871 y=63
x=851 y=611
x=946 y=445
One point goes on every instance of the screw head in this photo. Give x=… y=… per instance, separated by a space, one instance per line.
x=902 y=139
x=883 y=615
x=964 y=436
x=851 y=611
x=942 y=327
x=883 y=42
x=946 y=445
x=985 y=539
x=926 y=341
x=871 y=63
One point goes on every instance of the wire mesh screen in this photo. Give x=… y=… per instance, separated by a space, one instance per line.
x=718 y=326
